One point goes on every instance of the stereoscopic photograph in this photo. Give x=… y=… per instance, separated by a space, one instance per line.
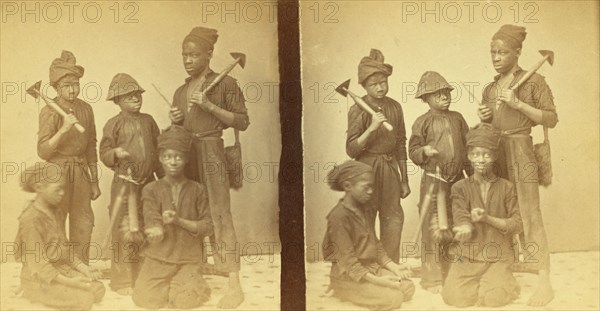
x=451 y=154
x=140 y=155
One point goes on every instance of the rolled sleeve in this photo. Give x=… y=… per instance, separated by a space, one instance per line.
x=235 y=103
x=49 y=122
x=357 y=124
x=204 y=224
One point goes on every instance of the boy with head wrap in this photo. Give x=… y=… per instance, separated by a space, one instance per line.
x=367 y=141
x=514 y=114
x=176 y=218
x=361 y=271
x=128 y=144
x=437 y=141
x=50 y=274
x=206 y=117
x=486 y=216
x=58 y=142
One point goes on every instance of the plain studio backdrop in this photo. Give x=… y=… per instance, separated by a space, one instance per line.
x=335 y=37
x=149 y=49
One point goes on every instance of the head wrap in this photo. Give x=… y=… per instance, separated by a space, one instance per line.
x=175 y=138
x=40 y=172
x=65 y=65
x=431 y=82
x=346 y=171
x=372 y=64
x=123 y=84
x=483 y=135
x=511 y=34
x=206 y=37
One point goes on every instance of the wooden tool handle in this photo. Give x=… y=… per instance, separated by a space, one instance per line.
x=424 y=212
x=132 y=207
x=62 y=113
x=361 y=103
x=442 y=208
x=115 y=214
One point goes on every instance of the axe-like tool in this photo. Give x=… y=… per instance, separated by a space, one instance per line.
x=344 y=91
x=239 y=58
x=547 y=56
x=34 y=91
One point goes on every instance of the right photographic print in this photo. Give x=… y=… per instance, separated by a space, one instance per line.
x=451 y=154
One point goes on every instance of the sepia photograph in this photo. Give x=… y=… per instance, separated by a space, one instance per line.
x=140 y=150
x=451 y=154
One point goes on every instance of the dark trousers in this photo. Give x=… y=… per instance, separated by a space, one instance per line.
x=373 y=296
x=179 y=286
x=483 y=283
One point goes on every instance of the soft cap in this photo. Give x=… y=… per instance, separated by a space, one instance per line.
x=346 y=171
x=372 y=64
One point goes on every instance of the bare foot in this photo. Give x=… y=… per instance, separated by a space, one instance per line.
x=232 y=299
x=542 y=296
x=435 y=289
x=127 y=291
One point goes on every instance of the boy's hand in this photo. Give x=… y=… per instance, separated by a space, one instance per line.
x=154 y=234
x=175 y=115
x=484 y=113
x=392 y=281
x=95 y=191
x=376 y=121
x=508 y=97
x=404 y=190
x=478 y=214
x=402 y=271
x=68 y=123
x=462 y=233
x=81 y=282
x=200 y=99
x=169 y=217
x=430 y=151
x=89 y=272
x=121 y=153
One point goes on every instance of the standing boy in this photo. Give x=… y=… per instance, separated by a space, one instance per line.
x=206 y=117
x=384 y=150
x=177 y=218
x=486 y=216
x=515 y=114
x=58 y=142
x=128 y=144
x=437 y=141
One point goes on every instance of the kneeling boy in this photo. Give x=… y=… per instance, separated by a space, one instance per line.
x=177 y=218
x=361 y=271
x=486 y=216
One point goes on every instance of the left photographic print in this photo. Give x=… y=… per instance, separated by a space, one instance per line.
x=140 y=146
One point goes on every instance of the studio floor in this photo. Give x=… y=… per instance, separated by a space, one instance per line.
x=574 y=277
x=260 y=277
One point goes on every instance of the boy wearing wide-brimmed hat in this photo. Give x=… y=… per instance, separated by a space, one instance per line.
x=128 y=147
x=486 y=216
x=437 y=141
x=58 y=142
x=368 y=142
